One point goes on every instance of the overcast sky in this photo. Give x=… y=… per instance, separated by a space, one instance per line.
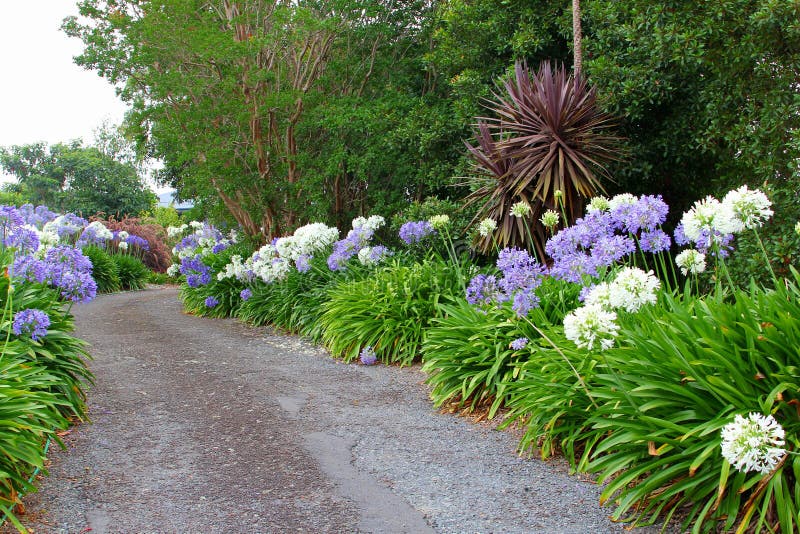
x=44 y=96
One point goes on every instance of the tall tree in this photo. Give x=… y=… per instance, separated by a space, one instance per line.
x=577 y=36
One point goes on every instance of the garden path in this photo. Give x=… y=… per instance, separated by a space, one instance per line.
x=204 y=425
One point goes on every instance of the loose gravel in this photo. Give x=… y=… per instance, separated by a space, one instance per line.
x=204 y=425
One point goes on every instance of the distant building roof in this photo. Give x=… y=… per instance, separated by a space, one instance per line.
x=167 y=199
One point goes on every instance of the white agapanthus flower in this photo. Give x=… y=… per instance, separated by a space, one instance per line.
x=753 y=443
x=487 y=227
x=197 y=225
x=234 y=269
x=520 y=209
x=173 y=270
x=598 y=204
x=122 y=245
x=100 y=230
x=266 y=265
x=374 y=222
x=599 y=295
x=439 y=222
x=751 y=208
x=47 y=239
x=61 y=222
x=591 y=326
x=632 y=288
x=550 y=219
x=176 y=231
x=709 y=215
x=306 y=240
x=691 y=261
x=623 y=199
x=122 y=235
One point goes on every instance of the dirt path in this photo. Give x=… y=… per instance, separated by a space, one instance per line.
x=204 y=425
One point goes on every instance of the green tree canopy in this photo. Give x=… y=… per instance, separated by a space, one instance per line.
x=71 y=177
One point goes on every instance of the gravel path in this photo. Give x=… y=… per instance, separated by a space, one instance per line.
x=203 y=425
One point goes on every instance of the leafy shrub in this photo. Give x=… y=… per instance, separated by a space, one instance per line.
x=468 y=357
x=133 y=275
x=104 y=269
x=158 y=278
x=388 y=311
x=164 y=216
x=687 y=367
x=159 y=257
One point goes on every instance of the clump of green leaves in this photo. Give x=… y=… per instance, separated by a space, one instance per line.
x=388 y=311
x=105 y=270
x=133 y=274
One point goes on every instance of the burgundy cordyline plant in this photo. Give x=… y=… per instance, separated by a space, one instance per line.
x=547 y=146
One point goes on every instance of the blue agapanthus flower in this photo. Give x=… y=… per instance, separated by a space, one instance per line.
x=31 y=321
x=210 y=302
x=415 y=231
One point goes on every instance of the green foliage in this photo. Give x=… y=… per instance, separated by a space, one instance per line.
x=164 y=216
x=158 y=278
x=41 y=387
x=105 y=270
x=388 y=311
x=467 y=355
x=704 y=90
x=133 y=274
x=75 y=178
x=686 y=368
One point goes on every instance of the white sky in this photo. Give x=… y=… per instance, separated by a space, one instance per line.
x=44 y=96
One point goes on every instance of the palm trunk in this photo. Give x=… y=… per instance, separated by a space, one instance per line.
x=576 y=37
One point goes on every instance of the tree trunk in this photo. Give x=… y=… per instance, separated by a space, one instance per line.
x=576 y=37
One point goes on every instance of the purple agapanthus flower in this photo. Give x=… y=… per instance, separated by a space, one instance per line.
x=484 y=289
x=303 y=263
x=31 y=321
x=139 y=242
x=654 y=241
x=245 y=294
x=197 y=273
x=22 y=239
x=368 y=356
x=415 y=231
x=346 y=248
x=210 y=302
x=519 y=343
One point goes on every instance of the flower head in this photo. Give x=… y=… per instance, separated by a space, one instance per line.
x=520 y=209
x=415 y=231
x=32 y=321
x=708 y=216
x=368 y=356
x=245 y=294
x=210 y=302
x=598 y=204
x=487 y=227
x=691 y=261
x=749 y=207
x=519 y=343
x=591 y=326
x=753 y=443
x=550 y=219
x=439 y=222
x=633 y=288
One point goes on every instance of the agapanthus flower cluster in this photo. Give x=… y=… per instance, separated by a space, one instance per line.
x=368 y=356
x=10 y=218
x=439 y=222
x=415 y=231
x=212 y=301
x=31 y=321
x=591 y=327
x=95 y=233
x=205 y=240
x=63 y=267
x=38 y=216
x=753 y=443
x=176 y=231
x=267 y=265
x=65 y=226
x=606 y=234
x=245 y=294
x=520 y=209
x=710 y=225
x=487 y=227
x=356 y=240
x=370 y=256
x=691 y=261
x=25 y=239
x=519 y=343
x=522 y=274
x=594 y=324
x=306 y=241
x=196 y=272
